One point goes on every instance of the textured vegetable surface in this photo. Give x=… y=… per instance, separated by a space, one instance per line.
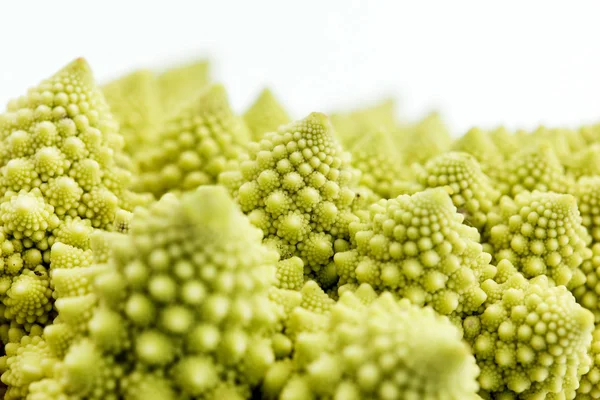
x=155 y=244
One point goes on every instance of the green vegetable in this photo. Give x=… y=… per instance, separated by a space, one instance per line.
x=376 y=260
x=60 y=180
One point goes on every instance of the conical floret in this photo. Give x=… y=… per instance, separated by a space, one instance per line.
x=184 y=296
x=417 y=247
x=135 y=102
x=196 y=145
x=266 y=114
x=58 y=164
x=383 y=349
x=295 y=186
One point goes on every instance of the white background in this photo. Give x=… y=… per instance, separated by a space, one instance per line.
x=516 y=63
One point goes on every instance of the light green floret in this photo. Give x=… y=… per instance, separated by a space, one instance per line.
x=180 y=84
x=304 y=310
x=353 y=125
x=534 y=168
x=590 y=133
x=290 y=274
x=589 y=385
x=195 y=145
x=418 y=248
x=59 y=179
x=27 y=360
x=135 y=102
x=72 y=276
x=564 y=142
x=471 y=190
x=480 y=145
x=364 y=198
x=587 y=193
x=266 y=114
x=530 y=341
x=310 y=314
x=377 y=348
x=183 y=308
x=423 y=139
x=295 y=186
x=587 y=291
x=584 y=163
x=506 y=142
x=540 y=234
x=380 y=164
x=548 y=137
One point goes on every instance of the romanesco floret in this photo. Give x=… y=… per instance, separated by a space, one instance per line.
x=584 y=163
x=135 y=102
x=587 y=291
x=589 y=385
x=290 y=274
x=27 y=361
x=417 y=247
x=195 y=145
x=531 y=339
x=305 y=311
x=378 y=349
x=351 y=126
x=480 y=145
x=295 y=187
x=59 y=179
x=533 y=168
x=540 y=233
x=376 y=157
x=266 y=114
x=587 y=193
x=182 y=309
x=471 y=190
x=590 y=133
x=180 y=84
x=422 y=140
x=564 y=142
x=506 y=142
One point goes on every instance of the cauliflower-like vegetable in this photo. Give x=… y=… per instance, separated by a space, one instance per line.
x=59 y=179
x=584 y=163
x=180 y=84
x=589 y=385
x=506 y=142
x=417 y=247
x=376 y=157
x=534 y=168
x=590 y=133
x=531 y=339
x=28 y=360
x=377 y=349
x=182 y=308
x=481 y=146
x=587 y=193
x=295 y=186
x=587 y=290
x=351 y=126
x=422 y=140
x=195 y=145
x=540 y=233
x=302 y=276
x=471 y=190
x=266 y=114
x=135 y=101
